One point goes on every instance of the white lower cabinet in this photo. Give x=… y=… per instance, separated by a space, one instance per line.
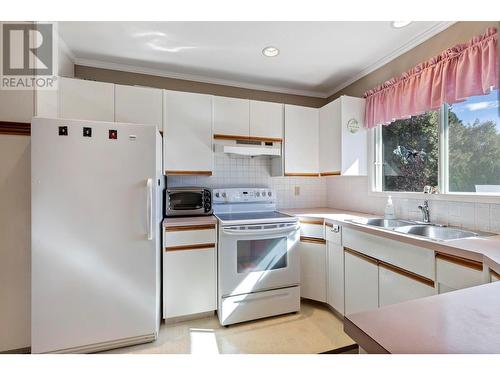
x=361 y=282
x=189 y=271
x=313 y=269
x=189 y=282
x=335 y=285
x=454 y=273
x=312 y=228
x=396 y=287
x=335 y=268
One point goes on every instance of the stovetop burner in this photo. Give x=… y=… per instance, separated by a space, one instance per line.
x=241 y=206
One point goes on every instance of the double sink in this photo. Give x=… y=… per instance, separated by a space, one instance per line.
x=428 y=230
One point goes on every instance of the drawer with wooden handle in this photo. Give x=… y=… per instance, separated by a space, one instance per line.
x=312 y=228
x=189 y=237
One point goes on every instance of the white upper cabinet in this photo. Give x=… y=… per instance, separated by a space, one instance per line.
x=301 y=140
x=329 y=139
x=354 y=137
x=231 y=116
x=343 y=138
x=86 y=100
x=139 y=105
x=266 y=120
x=187 y=133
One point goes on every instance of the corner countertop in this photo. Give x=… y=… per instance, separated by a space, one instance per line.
x=170 y=222
x=463 y=321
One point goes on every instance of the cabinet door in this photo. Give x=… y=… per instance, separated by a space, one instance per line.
x=361 y=283
x=86 y=100
x=330 y=138
x=266 y=120
x=231 y=116
x=187 y=133
x=313 y=270
x=189 y=282
x=139 y=105
x=455 y=273
x=335 y=276
x=395 y=287
x=301 y=140
x=354 y=144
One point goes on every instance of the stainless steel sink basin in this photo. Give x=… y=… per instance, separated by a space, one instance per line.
x=382 y=223
x=438 y=233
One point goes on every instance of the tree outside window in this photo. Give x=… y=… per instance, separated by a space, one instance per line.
x=410 y=148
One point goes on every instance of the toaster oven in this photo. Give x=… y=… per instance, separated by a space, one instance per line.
x=188 y=201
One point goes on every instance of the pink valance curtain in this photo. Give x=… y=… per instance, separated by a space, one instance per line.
x=465 y=70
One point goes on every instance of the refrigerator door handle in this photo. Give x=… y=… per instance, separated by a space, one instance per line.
x=149 y=208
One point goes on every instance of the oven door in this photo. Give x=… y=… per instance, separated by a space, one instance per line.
x=258 y=257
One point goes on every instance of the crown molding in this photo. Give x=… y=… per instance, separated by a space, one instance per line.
x=193 y=77
x=419 y=39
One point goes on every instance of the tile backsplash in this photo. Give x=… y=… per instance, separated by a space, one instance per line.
x=240 y=171
x=351 y=193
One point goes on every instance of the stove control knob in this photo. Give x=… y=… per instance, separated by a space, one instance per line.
x=269 y=193
x=257 y=194
x=217 y=195
x=223 y=195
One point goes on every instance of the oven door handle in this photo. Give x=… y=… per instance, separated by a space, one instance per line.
x=243 y=232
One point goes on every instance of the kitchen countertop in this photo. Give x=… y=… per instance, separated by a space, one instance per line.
x=170 y=222
x=486 y=249
x=463 y=321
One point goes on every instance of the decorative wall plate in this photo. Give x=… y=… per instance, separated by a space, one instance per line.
x=353 y=126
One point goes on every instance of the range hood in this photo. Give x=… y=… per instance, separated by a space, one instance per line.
x=248 y=148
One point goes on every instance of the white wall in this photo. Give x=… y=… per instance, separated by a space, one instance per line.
x=232 y=171
x=15 y=237
x=351 y=193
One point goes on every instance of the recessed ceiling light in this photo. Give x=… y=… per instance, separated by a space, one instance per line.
x=400 y=24
x=270 y=51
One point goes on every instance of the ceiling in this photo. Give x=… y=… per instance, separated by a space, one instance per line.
x=316 y=58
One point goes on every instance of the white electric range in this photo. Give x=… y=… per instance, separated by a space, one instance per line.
x=258 y=260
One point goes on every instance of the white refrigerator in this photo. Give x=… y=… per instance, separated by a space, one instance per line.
x=96 y=216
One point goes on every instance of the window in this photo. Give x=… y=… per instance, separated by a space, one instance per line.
x=410 y=153
x=474 y=145
x=455 y=149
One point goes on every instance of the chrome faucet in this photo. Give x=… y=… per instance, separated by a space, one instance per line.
x=425 y=211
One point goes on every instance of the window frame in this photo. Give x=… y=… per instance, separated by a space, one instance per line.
x=376 y=168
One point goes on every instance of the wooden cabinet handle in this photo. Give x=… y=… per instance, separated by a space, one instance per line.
x=207 y=246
